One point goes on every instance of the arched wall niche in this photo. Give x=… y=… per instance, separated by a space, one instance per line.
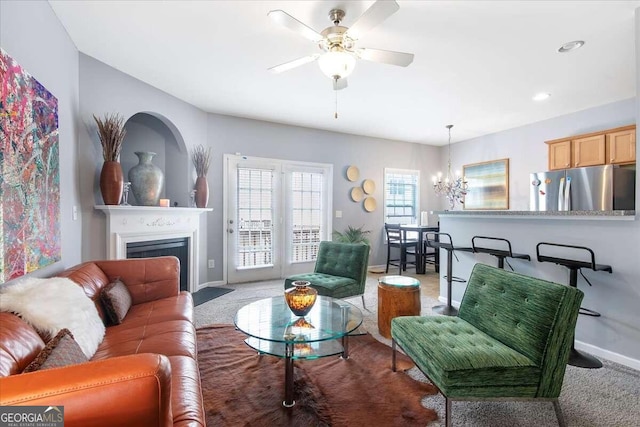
x=149 y=131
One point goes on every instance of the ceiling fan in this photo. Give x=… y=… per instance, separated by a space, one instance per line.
x=338 y=44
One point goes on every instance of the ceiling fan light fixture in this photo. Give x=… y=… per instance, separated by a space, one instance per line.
x=337 y=63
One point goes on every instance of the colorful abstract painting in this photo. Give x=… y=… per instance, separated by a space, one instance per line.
x=30 y=180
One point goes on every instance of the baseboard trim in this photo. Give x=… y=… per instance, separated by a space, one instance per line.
x=589 y=348
x=376 y=267
x=609 y=355
x=207 y=284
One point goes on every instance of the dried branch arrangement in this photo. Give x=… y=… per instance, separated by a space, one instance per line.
x=201 y=158
x=111 y=133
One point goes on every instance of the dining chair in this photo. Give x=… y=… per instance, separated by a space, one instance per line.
x=397 y=239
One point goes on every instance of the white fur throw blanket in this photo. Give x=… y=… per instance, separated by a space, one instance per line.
x=53 y=304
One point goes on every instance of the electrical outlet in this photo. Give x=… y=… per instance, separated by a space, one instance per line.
x=212 y=263
x=74 y=213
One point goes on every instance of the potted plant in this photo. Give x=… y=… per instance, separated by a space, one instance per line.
x=111 y=133
x=201 y=158
x=352 y=235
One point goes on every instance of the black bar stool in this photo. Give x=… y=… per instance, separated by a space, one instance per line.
x=434 y=240
x=575 y=357
x=501 y=254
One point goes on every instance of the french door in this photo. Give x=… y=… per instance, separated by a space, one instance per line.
x=276 y=213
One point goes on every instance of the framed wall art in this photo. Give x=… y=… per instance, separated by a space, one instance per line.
x=30 y=180
x=488 y=185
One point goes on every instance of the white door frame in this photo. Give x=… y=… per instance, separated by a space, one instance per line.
x=328 y=200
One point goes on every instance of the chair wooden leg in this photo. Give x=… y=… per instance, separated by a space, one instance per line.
x=393 y=355
x=556 y=407
x=388 y=257
x=447 y=412
x=363 y=304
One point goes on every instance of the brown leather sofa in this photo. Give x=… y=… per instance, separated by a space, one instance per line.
x=144 y=373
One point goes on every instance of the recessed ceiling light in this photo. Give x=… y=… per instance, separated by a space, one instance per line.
x=567 y=47
x=541 y=96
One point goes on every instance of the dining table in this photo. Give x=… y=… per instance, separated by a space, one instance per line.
x=421 y=255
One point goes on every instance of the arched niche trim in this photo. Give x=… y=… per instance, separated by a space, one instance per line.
x=151 y=131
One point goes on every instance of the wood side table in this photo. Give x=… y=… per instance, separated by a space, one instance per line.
x=397 y=296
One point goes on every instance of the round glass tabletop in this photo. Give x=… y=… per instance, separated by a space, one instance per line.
x=271 y=319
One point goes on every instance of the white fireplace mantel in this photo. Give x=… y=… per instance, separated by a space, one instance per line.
x=128 y=224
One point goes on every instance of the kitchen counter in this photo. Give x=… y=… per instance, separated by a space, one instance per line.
x=613 y=237
x=619 y=214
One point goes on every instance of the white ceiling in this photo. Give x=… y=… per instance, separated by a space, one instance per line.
x=477 y=63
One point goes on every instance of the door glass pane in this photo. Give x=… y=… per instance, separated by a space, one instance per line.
x=255 y=218
x=306 y=215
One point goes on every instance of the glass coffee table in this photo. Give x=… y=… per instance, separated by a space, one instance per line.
x=273 y=329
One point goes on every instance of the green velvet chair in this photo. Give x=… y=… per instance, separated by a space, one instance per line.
x=340 y=271
x=510 y=340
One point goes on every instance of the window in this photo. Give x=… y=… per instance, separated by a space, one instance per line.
x=401 y=196
x=255 y=213
x=306 y=215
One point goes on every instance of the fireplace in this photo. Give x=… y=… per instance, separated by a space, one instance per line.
x=142 y=229
x=153 y=248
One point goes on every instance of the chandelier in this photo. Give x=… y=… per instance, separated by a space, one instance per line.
x=453 y=189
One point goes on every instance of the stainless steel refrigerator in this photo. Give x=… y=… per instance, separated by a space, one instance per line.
x=596 y=188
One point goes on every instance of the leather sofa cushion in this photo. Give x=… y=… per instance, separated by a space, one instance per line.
x=154 y=279
x=171 y=338
x=186 y=397
x=173 y=308
x=93 y=280
x=19 y=344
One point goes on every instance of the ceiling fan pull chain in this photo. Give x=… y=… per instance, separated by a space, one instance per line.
x=336 y=114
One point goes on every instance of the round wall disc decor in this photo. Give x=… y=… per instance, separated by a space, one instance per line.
x=370 y=204
x=356 y=194
x=353 y=173
x=369 y=186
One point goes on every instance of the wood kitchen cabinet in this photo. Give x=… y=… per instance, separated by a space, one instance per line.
x=621 y=147
x=589 y=151
x=560 y=155
x=612 y=146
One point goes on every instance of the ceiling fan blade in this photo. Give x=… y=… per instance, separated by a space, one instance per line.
x=283 y=18
x=385 y=56
x=378 y=12
x=339 y=84
x=293 y=64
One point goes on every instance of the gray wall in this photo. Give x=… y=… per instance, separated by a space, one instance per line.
x=263 y=139
x=104 y=89
x=44 y=50
x=525 y=148
x=615 y=335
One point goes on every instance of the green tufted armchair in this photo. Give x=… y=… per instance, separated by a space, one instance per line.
x=510 y=341
x=340 y=271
